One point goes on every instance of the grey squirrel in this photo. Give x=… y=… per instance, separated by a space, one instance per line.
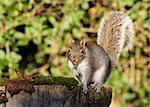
x=93 y=60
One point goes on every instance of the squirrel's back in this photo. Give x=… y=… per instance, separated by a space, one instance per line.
x=97 y=55
x=115 y=34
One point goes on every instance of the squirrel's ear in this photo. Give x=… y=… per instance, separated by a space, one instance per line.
x=82 y=42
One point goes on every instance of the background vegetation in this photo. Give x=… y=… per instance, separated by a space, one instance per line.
x=35 y=36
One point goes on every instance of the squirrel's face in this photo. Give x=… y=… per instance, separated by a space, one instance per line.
x=76 y=52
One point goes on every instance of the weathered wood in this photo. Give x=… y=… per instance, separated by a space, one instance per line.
x=60 y=96
x=59 y=92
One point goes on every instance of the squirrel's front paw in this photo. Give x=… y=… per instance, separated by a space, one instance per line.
x=85 y=89
x=75 y=72
x=79 y=77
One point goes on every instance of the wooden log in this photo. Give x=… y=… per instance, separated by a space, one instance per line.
x=59 y=92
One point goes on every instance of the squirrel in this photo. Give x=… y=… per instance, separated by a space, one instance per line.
x=94 y=60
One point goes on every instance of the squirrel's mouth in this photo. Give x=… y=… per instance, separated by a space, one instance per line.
x=75 y=62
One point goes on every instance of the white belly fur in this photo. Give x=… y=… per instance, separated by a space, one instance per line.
x=83 y=67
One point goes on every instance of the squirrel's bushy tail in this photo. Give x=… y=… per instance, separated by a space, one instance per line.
x=115 y=34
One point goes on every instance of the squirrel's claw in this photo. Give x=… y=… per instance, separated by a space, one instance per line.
x=75 y=72
x=85 y=89
x=96 y=87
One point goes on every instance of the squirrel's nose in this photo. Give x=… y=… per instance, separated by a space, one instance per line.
x=75 y=61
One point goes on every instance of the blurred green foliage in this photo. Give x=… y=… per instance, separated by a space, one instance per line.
x=35 y=36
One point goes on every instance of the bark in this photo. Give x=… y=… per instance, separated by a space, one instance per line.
x=59 y=92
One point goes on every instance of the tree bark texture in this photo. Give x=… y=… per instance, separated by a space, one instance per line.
x=56 y=92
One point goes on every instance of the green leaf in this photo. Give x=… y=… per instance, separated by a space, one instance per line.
x=2 y=9
x=8 y=2
x=3 y=61
x=13 y=58
x=2 y=40
x=19 y=35
x=54 y=71
x=2 y=54
x=13 y=75
x=85 y=5
x=37 y=40
x=47 y=1
x=77 y=33
x=129 y=96
x=53 y=21
x=123 y=3
x=143 y=14
x=23 y=42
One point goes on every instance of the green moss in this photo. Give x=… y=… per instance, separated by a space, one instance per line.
x=43 y=80
x=40 y=80
x=65 y=81
x=49 y=80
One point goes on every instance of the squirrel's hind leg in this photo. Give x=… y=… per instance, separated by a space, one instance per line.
x=99 y=77
x=96 y=87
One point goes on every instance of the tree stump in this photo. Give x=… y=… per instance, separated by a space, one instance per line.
x=59 y=92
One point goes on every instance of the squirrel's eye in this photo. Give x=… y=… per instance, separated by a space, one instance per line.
x=81 y=51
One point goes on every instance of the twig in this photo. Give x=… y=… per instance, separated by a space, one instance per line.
x=91 y=30
x=38 y=8
x=42 y=68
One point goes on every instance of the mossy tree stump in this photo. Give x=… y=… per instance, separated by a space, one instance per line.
x=59 y=92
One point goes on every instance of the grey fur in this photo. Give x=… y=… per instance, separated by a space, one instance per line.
x=94 y=62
